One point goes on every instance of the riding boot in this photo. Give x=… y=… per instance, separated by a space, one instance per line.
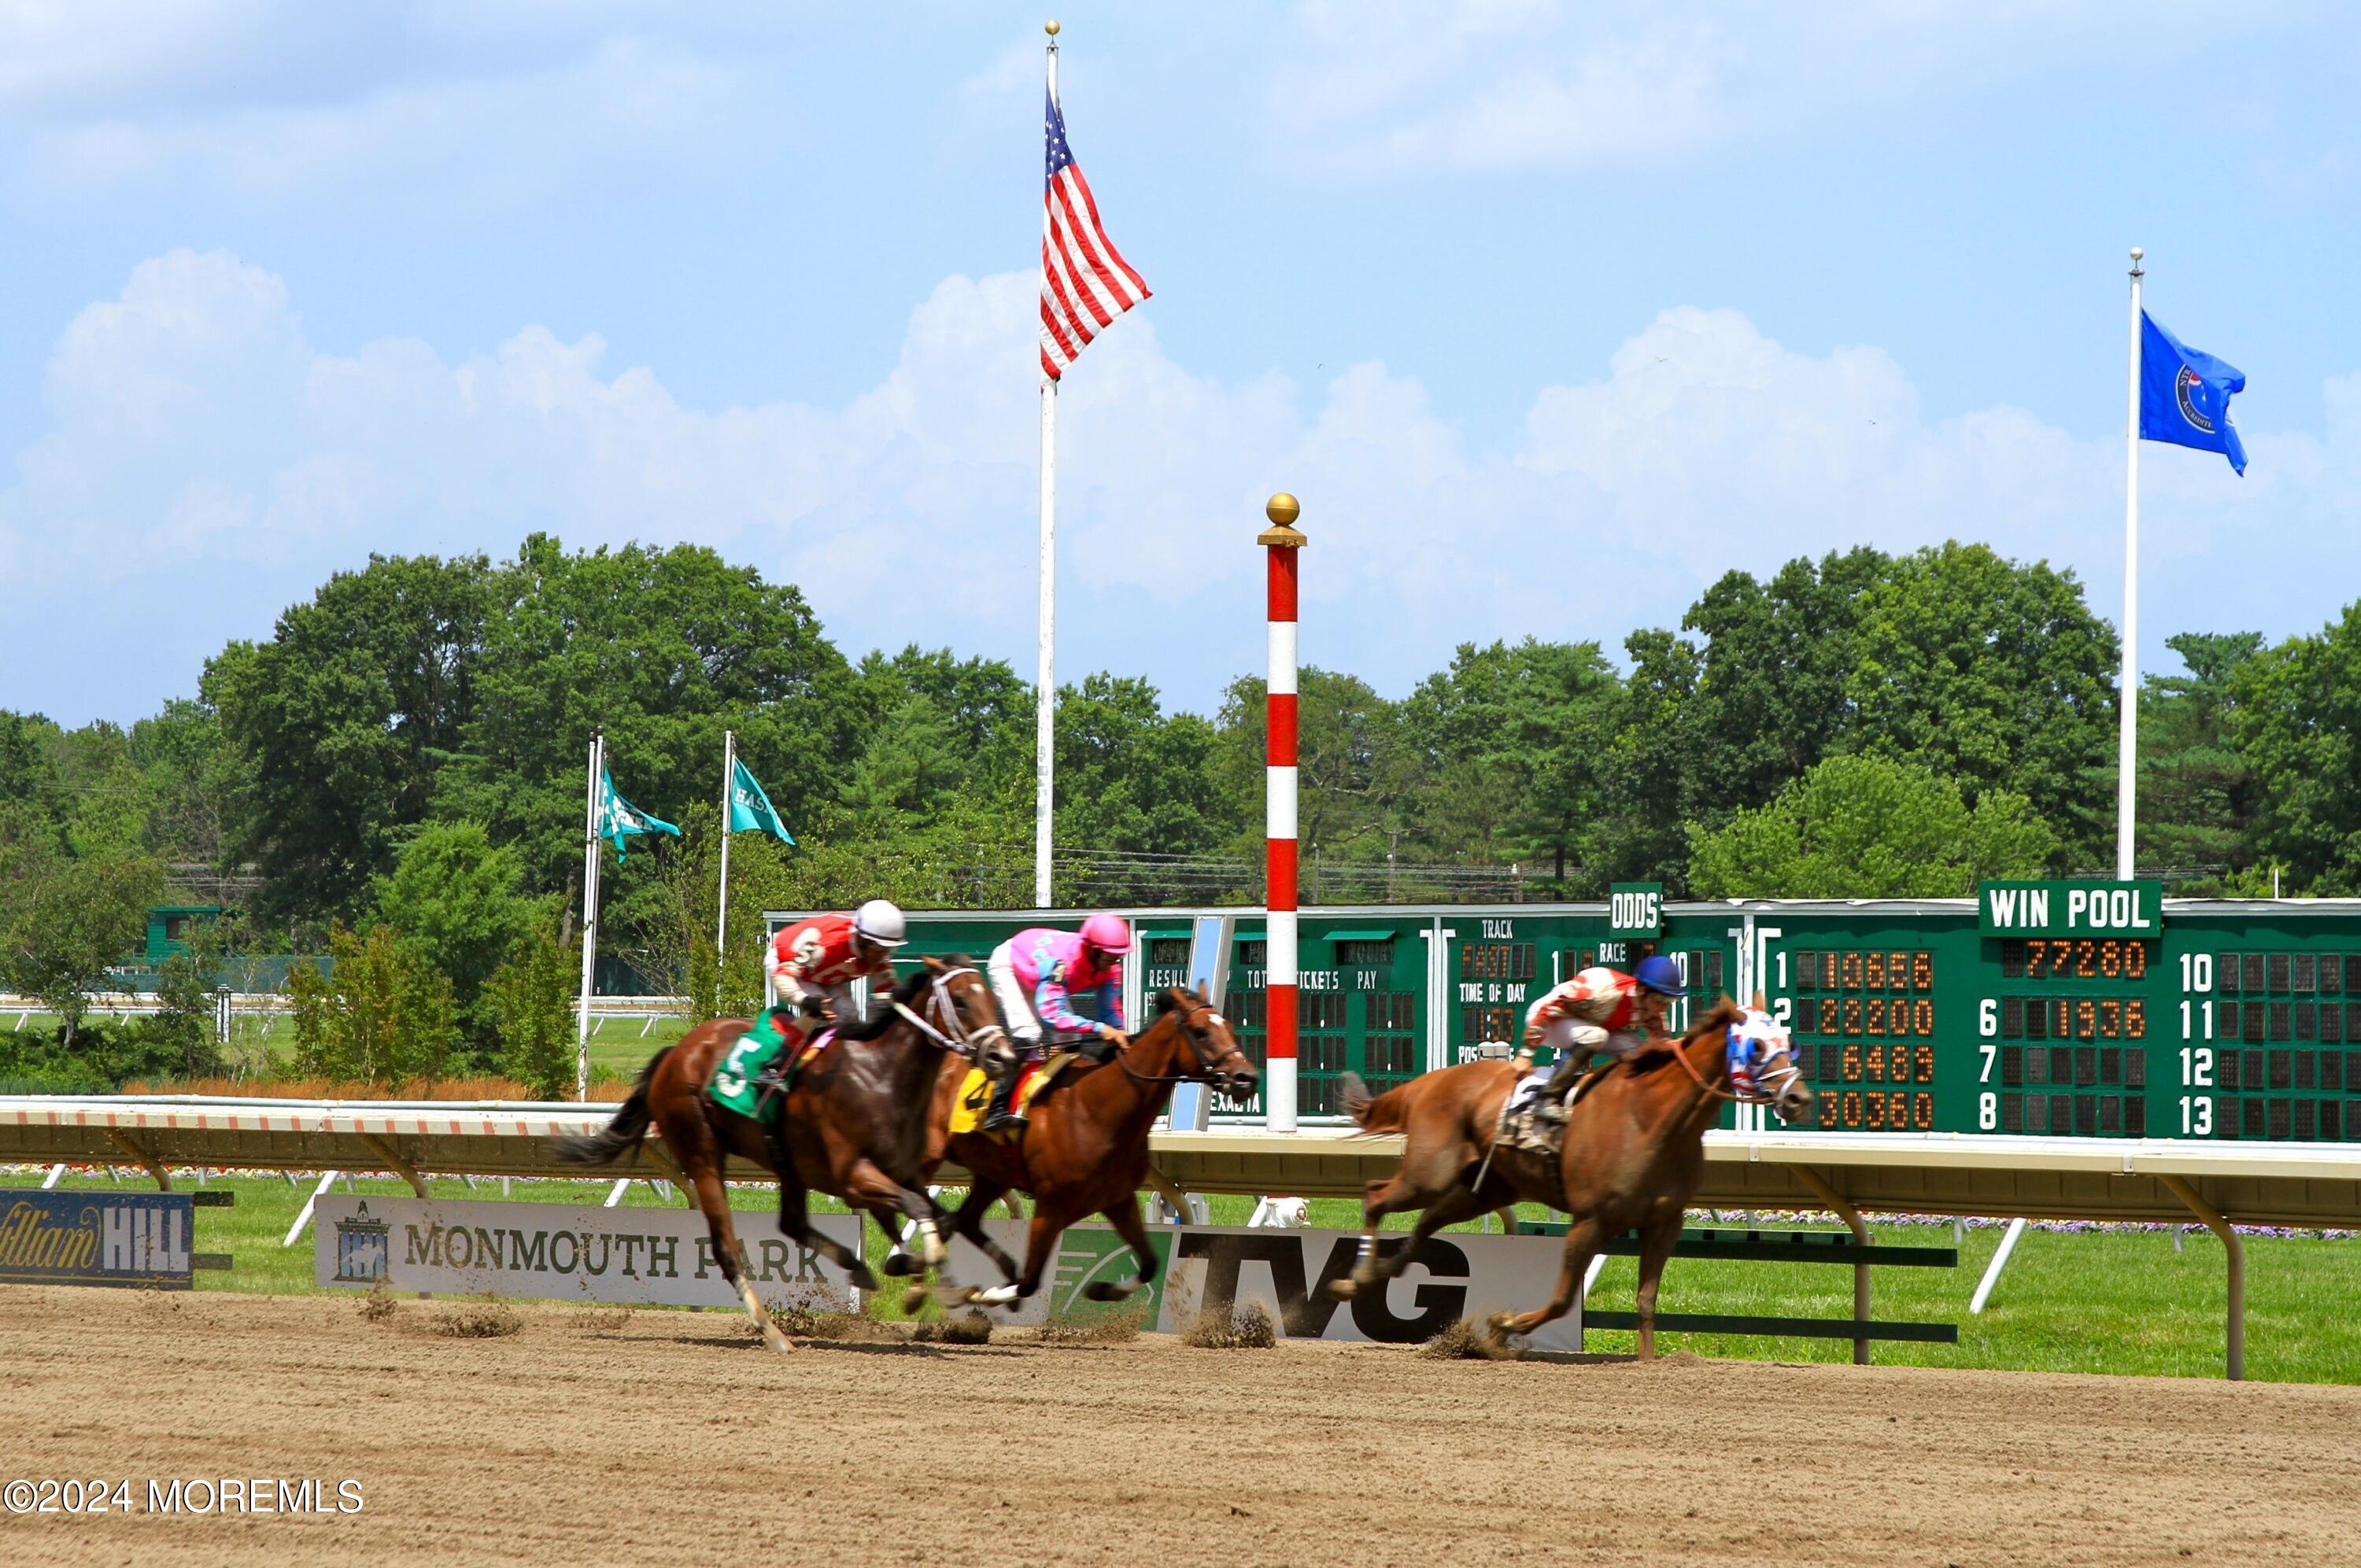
x=1001 y=1115
x=1551 y=1106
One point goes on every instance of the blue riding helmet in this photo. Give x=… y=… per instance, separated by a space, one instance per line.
x=1661 y=974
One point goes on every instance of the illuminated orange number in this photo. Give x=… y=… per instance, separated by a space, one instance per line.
x=1922 y=1111
x=1852 y=1108
x=2135 y=961
x=1851 y=968
x=2086 y=960
x=2111 y=1020
x=1873 y=1059
x=1925 y=1059
x=2110 y=959
x=1922 y=971
x=1874 y=1119
x=2086 y=1019
x=1852 y=1064
x=1925 y=1016
x=1897 y=971
x=1852 y=1014
x=1875 y=980
x=2136 y=1020
x=1876 y=1015
x=1897 y=1017
x=2037 y=958
x=1828 y=1111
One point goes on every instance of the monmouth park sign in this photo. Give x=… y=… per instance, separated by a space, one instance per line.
x=663 y=1256
x=563 y=1251
x=96 y=1238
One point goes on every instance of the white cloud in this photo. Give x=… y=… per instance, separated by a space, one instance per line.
x=1376 y=90
x=195 y=431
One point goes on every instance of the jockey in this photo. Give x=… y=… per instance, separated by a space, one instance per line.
x=1598 y=1010
x=814 y=963
x=1036 y=974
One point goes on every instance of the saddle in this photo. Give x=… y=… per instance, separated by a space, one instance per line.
x=974 y=1096
x=1522 y=1129
x=759 y=1068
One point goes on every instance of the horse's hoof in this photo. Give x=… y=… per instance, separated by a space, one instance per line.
x=775 y=1339
x=1343 y=1289
x=901 y=1265
x=862 y=1278
x=913 y=1299
x=1108 y=1290
x=947 y=1295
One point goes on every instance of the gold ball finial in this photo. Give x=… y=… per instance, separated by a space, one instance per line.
x=1051 y=26
x=1282 y=510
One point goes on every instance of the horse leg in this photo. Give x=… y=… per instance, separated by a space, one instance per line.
x=794 y=1224
x=1379 y=1264
x=870 y=1187
x=968 y=1222
x=713 y=1198
x=1581 y=1243
x=1656 y=1243
x=1124 y=1215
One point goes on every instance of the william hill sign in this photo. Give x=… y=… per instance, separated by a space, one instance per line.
x=2070 y=908
x=96 y=1238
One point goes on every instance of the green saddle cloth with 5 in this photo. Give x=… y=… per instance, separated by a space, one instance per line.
x=743 y=1079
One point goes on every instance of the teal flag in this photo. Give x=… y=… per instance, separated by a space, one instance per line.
x=619 y=818
x=750 y=809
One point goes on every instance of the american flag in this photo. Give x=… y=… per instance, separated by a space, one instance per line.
x=1085 y=283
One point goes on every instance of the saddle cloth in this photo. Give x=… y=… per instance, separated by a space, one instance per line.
x=1520 y=1129
x=746 y=1070
x=974 y=1096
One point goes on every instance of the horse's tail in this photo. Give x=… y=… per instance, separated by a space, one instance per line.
x=620 y=1135
x=1386 y=1112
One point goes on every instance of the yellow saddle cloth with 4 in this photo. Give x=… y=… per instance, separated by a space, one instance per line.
x=974 y=1096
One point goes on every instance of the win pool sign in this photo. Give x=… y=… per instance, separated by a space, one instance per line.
x=2070 y=908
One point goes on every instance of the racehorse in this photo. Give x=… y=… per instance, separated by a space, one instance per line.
x=1633 y=1152
x=854 y=1122
x=1083 y=1149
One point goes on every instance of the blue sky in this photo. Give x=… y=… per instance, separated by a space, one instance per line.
x=1551 y=314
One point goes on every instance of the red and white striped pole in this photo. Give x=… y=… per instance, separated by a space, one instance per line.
x=1281 y=541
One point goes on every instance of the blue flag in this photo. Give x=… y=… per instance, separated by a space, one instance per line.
x=750 y=809
x=2185 y=395
x=619 y=818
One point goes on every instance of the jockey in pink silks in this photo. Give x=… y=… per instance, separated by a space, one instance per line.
x=1038 y=974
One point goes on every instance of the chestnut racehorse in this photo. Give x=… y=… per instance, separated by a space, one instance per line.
x=1633 y=1153
x=854 y=1122
x=1083 y=1149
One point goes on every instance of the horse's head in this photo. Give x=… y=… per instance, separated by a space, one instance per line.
x=959 y=1004
x=1761 y=1052
x=1216 y=1057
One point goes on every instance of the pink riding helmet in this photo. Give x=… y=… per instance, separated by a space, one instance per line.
x=1107 y=933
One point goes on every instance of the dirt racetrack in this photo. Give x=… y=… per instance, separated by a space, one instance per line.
x=669 y=1436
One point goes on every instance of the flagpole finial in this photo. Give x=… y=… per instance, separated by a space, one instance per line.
x=1282 y=510
x=1051 y=26
x=2137 y=254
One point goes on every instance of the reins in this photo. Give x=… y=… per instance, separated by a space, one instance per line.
x=938 y=1002
x=1204 y=1068
x=1681 y=1055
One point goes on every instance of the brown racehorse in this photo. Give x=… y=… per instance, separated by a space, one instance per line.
x=854 y=1123
x=1633 y=1153
x=1084 y=1147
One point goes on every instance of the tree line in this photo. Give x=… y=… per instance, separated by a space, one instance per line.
x=404 y=755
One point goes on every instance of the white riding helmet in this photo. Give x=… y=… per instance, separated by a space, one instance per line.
x=881 y=923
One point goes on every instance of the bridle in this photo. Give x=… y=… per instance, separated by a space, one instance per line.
x=954 y=1035
x=1769 y=1084
x=1188 y=1013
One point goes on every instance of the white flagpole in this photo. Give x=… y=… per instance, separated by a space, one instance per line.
x=2127 y=737
x=1044 y=717
x=728 y=786
x=589 y=919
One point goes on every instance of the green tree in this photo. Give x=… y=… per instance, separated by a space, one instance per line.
x=381 y=1014
x=2296 y=723
x=530 y=1001
x=663 y=650
x=344 y=720
x=1132 y=780
x=65 y=918
x=455 y=896
x=1867 y=827
x=1656 y=744
x=1998 y=677
x=2197 y=795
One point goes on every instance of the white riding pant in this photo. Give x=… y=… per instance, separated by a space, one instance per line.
x=1016 y=1007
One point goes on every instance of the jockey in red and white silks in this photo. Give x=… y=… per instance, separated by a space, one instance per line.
x=816 y=961
x=1599 y=1009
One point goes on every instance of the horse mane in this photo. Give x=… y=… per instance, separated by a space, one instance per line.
x=905 y=991
x=1721 y=1015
